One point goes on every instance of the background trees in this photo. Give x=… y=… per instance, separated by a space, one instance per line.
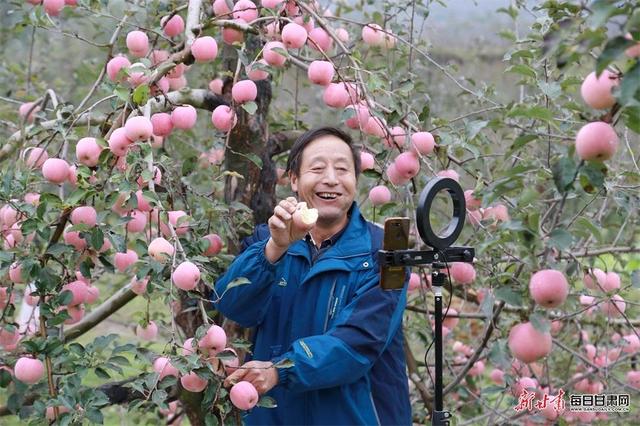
x=118 y=131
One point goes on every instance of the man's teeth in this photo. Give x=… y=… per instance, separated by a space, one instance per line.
x=329 y=195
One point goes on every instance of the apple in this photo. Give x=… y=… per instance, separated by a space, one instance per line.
x=321 y=72
x=204 y=49
x=148 y=332
x=379 y=195
x=184 y=117
x=272 y=57
x=549 y=288
x=137 y=43
x=304 y=217
x=244 y=395
x=244 y=91
x=596 y=92
x=186 y=276
x=245 y=10
x=55 y=170
x=528 y=344
x=161 y=249
x=596 y=141
x=193 y=383
x=320 y=40
x=162 y=124
x=214 y=340
x=215 y=244
x=407 y=165
x=114 y=66
x=84 y=214
x=255 y=73
x=162 y=365
x=294 y=36
x=124 y=260
x=224 y=118
x=28 y=370
x=373 y=35
x=367 y=161
x=172 y=26
x=336 y=95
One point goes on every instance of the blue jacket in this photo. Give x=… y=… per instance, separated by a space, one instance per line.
x=332 y=319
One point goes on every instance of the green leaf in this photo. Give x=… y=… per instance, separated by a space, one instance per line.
x=612 y=50
x=631 y=117
x=97 y=238
x=534 y=112
x=508 y=295
x=237 y=282
x=522 y=69
x=210 y=420
x=267 y=402
x=630 y=86
x=560 y=239
x=250 y=107
x=94 y=415
x=370 y=173
x=102 y=373
x=540 y=323
x=592 y=176
x=474 y=127
x=141 y=95
x=563 y=172
x=122 y=93
x=552 y=89
x=284 y=363
x=588 y=228
x=490 y=390
x=189 y=165
x=521 y=141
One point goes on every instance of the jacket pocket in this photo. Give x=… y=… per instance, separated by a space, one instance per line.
x=330 y=305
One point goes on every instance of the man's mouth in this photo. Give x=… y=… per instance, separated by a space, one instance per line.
x=328 y=195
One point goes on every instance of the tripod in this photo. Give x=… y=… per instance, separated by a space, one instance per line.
x=439 y=416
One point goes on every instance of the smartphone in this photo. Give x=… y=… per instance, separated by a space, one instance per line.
x=396 y=237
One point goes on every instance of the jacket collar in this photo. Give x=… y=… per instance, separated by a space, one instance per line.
x=354 y=241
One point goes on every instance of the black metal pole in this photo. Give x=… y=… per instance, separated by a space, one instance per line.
x=438 y=342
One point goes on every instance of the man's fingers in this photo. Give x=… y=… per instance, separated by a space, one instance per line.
x=235 y=377
x=282 y=213
x=276 y=223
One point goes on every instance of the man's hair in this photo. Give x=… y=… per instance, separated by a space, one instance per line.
x=295 y=155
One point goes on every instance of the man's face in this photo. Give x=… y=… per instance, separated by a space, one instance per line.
x=327 y=179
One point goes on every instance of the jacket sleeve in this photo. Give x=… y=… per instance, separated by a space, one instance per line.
x=346 y=352
x=246 y=304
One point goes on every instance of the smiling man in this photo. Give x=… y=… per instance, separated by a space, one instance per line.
x=315 y=300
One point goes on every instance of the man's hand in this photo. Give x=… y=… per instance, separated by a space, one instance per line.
x=282 y=229
x=261 y=374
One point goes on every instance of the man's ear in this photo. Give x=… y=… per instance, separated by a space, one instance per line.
x=293 y=179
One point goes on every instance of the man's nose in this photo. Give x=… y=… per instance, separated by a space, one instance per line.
x=330 y=176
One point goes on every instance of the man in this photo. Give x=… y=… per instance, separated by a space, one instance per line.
x=315 y=300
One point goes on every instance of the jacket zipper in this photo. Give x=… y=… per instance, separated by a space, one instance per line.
x=375 y=410
x=329 y=303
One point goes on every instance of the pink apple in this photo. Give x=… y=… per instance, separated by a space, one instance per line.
x=114 y=66
x=28 y=370
x=216 y=86
x=407 y=165
x=73 y=238
x=124 y=260
x=193 y=383
x=162 y=124
x=119 y=142
x=449 y=173
x=214 y=340
x=596 y=92
x=138 y=221
x=245 y=10
x=224 y=118
x=161 y=249
x=549 y=288
x=186 y=276
x=36 y=158
x=336 y=95
x=53 y=7
x=88 y=151
x=148 y=333
x=231 y=35
x=379 y=195
x=79 y=291
x=471 y=201
x=360 y=118
x=244 y=395
x=614 y=307
x=93 y=293
x=321 y=72
x=15 y=273
x=423 y=142
x=528 y=344
x=596 y=141
x=244 y=91
x=139 y=286
x=84 y=214
x=373 y=35
x=367 y=160
x=138 y=128
x=24 y=110
x=55 y=170
x=320 y=40
x=272 y=57
x=162 y=365
x=137 y=43
x=497 y=376
x=294 y=36
x=172 y=26
x=204 y=49
x=215 y=244
x=255 y=73
x=184 y=117
x=220 y=7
